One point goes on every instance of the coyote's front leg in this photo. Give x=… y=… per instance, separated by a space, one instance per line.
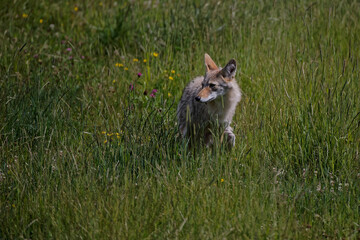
x=229 y=137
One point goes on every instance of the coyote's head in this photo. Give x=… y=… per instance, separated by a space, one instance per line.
x=216 y=81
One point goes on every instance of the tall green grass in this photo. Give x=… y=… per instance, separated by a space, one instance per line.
x=86 y=152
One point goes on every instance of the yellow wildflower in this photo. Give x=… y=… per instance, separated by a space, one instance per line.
x=155 y=54
x=103 y=132
x=169 y=94
x=105 y=141
x=76 y=9
x=172 y=71
x=171 y=78
x=41 y=21
x=145 y=60
x=135 y=60
x=126 y=69
x=114 y=81
x=222 y=180
x=24 y=15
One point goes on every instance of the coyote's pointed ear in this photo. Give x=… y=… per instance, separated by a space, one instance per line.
x=229 y=70
x=209 y=63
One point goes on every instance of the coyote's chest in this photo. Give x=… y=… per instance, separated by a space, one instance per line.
x=217 y=110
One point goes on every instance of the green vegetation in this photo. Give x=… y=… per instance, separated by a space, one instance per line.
x=89 y=150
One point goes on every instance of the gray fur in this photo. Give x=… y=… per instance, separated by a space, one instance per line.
x=189 y=107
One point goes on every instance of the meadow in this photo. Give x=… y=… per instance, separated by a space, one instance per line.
x=89 y=144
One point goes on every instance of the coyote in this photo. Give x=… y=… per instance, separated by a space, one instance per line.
x=208 y=103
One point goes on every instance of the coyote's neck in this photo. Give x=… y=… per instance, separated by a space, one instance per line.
x=224 y=107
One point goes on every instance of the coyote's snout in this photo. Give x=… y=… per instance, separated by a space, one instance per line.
x=209 y=100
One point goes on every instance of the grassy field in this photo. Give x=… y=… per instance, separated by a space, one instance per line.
x=89 y=149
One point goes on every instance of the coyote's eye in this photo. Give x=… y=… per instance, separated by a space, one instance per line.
x=212 y=85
